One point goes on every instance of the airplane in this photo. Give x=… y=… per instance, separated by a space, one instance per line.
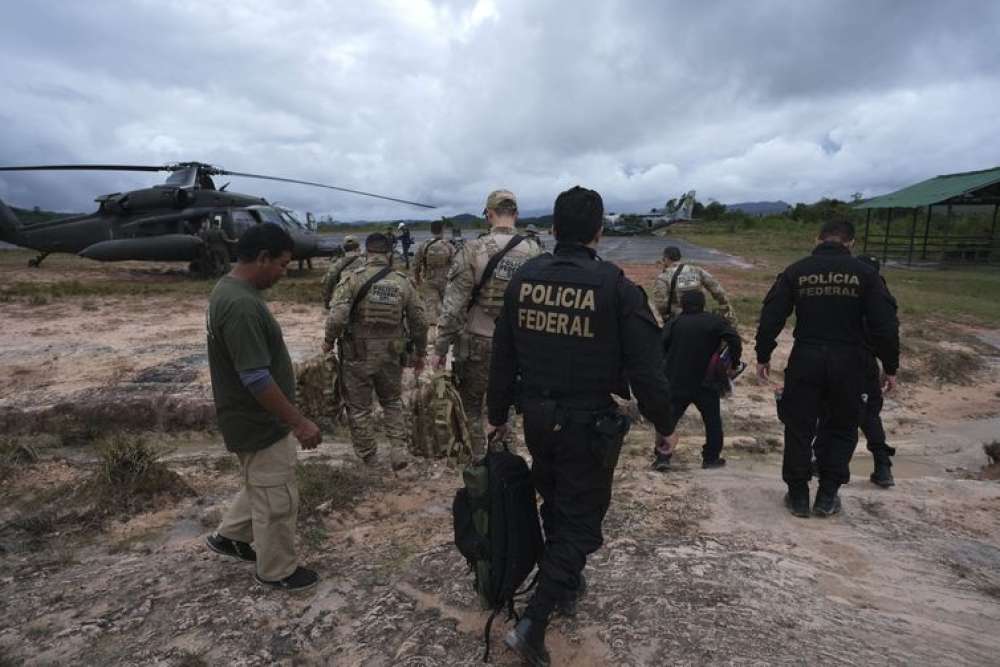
x=630 y=224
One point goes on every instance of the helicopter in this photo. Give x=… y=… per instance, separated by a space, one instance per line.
x=186 y=218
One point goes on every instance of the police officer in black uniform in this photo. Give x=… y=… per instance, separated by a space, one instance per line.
x=839 y=301
x=572 y=332
x=871 y=416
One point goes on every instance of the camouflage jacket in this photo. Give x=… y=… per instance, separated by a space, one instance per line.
x=350 y=259
x=466 y=270
x=382 y=312
x=691 y=278
x=432 y=259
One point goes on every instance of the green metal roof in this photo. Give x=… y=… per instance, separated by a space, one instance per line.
x=935 y=190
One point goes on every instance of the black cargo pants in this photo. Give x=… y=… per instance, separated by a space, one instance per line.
x=871 y=418
x=822 y=381
x=707 y=400
x=574 y=454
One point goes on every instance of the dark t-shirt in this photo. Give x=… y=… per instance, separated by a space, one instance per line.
x=242 y=336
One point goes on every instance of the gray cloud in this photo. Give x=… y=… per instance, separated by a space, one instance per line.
x=446 y=101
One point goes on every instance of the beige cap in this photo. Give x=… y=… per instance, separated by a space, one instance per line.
x=350 y=238
x=499 y=196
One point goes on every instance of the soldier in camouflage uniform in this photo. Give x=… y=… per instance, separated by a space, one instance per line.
x=352 y=258
x=431 y=262
x=691 y=278
x=373 y=343
x=467 y=326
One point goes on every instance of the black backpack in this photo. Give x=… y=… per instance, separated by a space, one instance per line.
x=497 y=530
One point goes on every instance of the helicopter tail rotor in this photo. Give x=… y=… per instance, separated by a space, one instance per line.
x=10 y=226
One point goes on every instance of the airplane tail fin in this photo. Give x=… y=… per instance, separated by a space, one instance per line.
x=10 y=226
x=686 y=208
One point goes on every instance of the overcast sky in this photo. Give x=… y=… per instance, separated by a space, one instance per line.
x=445 y=101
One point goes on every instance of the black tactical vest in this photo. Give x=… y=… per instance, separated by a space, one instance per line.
x=565 y=319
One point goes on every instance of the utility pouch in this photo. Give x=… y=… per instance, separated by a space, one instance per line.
x=609 y=431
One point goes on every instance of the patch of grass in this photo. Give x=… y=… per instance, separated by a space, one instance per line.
x=323 y=487
x=953 y=366
x=14 y=455
x=955 y=294
x=130 y=476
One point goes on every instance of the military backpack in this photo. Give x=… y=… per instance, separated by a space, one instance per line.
x=440 y=428
x=497 y=530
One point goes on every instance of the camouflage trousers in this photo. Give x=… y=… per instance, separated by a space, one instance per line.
x=471 y=368
x=431 y=295
x=379 y=371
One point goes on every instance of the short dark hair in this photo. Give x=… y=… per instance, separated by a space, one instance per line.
x=377 y=243
x=578 y=215
x=437 y=226
x=839 y=229
x=692 y=301
x=265 y=237
x=672 y=252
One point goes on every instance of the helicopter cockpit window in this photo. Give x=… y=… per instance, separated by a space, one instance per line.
x=242 y=221
x=268 y=214
x=182 y=178
x=290 y=219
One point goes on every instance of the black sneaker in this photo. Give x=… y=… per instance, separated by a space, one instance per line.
x=717 y=463
x=301 y=580
x=528 y=640
x=233 y=548
x=826 y=505
x=568 y=607
x=662 y=464
x=798 y=504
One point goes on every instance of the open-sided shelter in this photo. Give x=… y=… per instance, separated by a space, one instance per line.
x=979 y=189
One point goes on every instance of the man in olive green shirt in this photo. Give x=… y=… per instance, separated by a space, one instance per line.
x=253 y=385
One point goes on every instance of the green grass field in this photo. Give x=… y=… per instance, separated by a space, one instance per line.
x=967 y=295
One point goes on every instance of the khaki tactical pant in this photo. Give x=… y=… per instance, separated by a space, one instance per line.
x=432 y=295
x=378 y=369
x=471 y=367
x=266 y=509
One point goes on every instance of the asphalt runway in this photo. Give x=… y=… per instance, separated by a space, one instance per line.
x=623 y=249
x=628 y=249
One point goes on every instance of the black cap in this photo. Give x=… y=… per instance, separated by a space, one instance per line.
x=672 y=252
x=692 y=301
x=377 y=243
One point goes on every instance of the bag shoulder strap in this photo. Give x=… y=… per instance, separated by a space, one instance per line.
x=673 y=288
x=363 y=292
x=491 y=267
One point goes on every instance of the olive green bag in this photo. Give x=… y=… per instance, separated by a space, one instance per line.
x=440 y=428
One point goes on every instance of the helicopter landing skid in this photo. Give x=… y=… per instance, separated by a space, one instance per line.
x=36 y=262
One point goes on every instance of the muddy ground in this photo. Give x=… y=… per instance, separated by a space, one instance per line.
x=699 y=567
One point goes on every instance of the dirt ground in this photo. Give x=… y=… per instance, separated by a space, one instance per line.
x=698 y=567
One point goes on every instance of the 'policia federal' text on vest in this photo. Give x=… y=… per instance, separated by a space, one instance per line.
x=566 y=324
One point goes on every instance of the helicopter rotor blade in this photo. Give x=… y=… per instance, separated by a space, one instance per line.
x=223 y=172
x=87 y=167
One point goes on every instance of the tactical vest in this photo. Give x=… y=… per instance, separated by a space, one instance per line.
x=381 y=310
x=486 y=309
x=566 y=327
x=437 y=259
x=688 y=279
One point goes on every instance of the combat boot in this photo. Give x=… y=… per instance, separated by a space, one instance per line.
x=797 y=500
x=827 y=503
x=568 y=607
x=883 y=470
x=661 y=463
x=528 y=640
